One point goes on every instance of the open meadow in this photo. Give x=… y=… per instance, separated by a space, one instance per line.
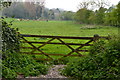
x=60 y=28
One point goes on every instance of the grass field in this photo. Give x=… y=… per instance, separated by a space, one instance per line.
x=61 y=28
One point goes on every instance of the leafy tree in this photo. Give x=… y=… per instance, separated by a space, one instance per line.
x=67 y=15
x=82 y=15
x=112 y=16
x=92 y=18
x=100 y=14
x=118 y=14
x=51 y=14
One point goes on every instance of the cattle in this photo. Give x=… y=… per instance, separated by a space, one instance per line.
x=18 y=19
x=22 y=19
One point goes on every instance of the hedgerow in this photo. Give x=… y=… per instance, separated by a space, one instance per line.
x=21 y=64
x=10 y=39
x=14 y=63
x=103 y=62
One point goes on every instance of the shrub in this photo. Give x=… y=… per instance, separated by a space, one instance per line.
x=10 y=39
x=14 y=63
x=103 y=62
x=22 y=64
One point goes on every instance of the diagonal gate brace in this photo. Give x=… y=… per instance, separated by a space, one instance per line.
x=35 y=48
x=73 y=50
x=77 y=49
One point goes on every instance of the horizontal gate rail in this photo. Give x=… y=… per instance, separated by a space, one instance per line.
x=64 y=37
x=77 y=50
x=48 y=54
x=56 y=43
x=33 y=48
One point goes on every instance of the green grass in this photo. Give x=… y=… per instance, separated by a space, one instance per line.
x=61 y=28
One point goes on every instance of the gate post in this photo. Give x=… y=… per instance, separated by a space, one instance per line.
x=96 y=37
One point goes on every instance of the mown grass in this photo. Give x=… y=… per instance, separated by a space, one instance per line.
x=61 y=28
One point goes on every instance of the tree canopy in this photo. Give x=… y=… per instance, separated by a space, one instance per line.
x=101 y=16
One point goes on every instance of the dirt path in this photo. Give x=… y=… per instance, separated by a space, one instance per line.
x=54 y=72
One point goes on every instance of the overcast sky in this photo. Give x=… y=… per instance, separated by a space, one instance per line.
x=69 y=5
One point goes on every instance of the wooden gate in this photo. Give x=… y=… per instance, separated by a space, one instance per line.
x=77 y=50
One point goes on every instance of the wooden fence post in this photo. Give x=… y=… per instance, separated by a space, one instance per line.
x=96 y=37
x=109 y=37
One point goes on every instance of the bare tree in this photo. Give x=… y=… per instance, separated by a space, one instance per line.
x=101 y=3
x=93 y=4
x=41 y=4
x=34 y=7
x=88 y=4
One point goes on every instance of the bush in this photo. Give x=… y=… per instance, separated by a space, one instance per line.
x=22 y=64
x=103 y=62
x=8 y=73
x=14 y=63
x=10 y=38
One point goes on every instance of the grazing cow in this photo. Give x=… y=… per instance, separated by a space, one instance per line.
x=47 y=20
x=18 y=19
x=27 y=19
x=21 y=19
x=34 y=20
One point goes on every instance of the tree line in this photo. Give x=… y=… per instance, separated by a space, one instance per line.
x=105 y=16
x=32 y=10
x=87 y=14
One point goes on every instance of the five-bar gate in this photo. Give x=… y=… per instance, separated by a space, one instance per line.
x=77 y=50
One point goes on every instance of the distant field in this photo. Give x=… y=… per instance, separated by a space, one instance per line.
x=61 y=28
